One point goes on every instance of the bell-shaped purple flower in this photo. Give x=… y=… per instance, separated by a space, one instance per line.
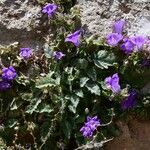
x=127 y=46
x=113 y=83
x=58 y=55
x=9 y=73
x=74 y=38
x=49 y=9
x=90 y=126
x=25 y=53
x=93 y=122
x=4 y=85
x=113 y=39
x=130 y=101
x=139 y=41
x=118 y=26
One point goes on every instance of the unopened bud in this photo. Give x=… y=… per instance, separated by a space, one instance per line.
x=86 y=110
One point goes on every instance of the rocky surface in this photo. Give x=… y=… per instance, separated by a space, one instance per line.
x=19 y=21
x=98 y=15
x=135 y=136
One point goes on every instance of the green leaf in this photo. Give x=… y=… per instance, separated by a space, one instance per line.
x=26 y=96
x=11 y=123
x=47 y=81
x=83 y=81
x=67 y=129
x=33 y=105
x=103 y=59
x=44 y=108
x=45 y=127
x=47 y=51
x=74 y=103
x=15 y=104
x=79 y=93
x=91 y=72
x=93 y=88
x=82 y=64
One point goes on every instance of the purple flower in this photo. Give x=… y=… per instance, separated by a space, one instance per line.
x=86 y=131
x=118 y=26
x=74 y=38
x=130 y=101
x=25 y=53
x=113 y=39
x=50 y=9
x=127 y=46
x=58 y=55
x=4 y=85
x=9 y=73
x=139 y=41
x=113 y=83
x=90 y=126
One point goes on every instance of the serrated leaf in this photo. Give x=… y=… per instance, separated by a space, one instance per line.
x=103 y=59
x=47 y=81
x=15 y=104
x=67 y=128
x=74 y=103
x=48 y=53
x=26 y=96
x=45 y=129
x=79 y=93
x=33 y=105
x=93 y=88
x=91 y=72
x=83 y=81
x=11 y=123
x=44 y=108
x=82 y=64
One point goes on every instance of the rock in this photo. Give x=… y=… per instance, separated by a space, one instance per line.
x=98 y=16
x=19 y=20
x=135 y=136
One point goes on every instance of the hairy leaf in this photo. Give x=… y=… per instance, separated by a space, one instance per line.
x=103 y=59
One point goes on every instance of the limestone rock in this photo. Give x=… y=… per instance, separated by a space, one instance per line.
x=135 y=136
x=18 y=22
x=98 y=15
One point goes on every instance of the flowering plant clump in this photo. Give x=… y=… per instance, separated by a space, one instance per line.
x=127 y=44
x=46 y=94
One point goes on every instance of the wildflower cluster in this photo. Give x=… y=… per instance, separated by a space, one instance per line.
x=71 y=78
x=127 y=44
